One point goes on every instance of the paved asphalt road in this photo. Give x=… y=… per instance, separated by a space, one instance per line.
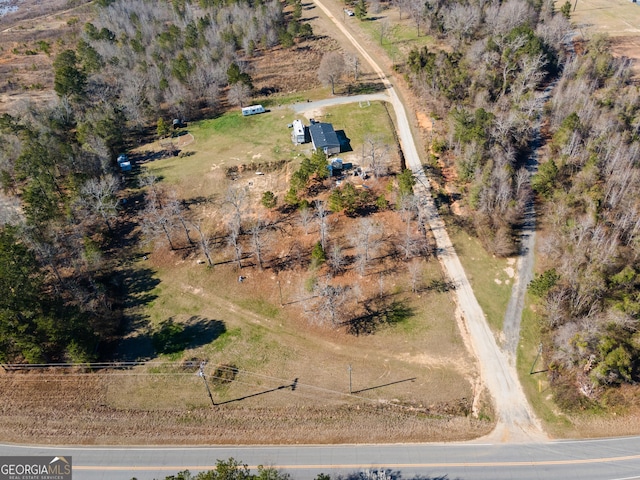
x=606 y=459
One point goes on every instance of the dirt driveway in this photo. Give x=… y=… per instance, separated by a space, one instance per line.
x=516 y=421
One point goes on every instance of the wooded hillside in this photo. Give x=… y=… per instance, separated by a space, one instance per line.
x=483 y=80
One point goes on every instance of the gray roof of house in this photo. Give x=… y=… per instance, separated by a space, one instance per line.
x=323 y=135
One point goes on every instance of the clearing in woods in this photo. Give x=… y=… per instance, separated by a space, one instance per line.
x=619 y=19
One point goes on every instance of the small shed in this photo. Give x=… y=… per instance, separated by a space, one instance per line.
x=124 y=163
x=335 y=167
x=252 y=110
x=299 y=133
x=324 y=137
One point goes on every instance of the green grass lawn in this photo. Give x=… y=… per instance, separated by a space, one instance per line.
x=398 y=39
x=226 y=141
x=359 y=121
x=231 y=140
x=534 y=380
x=259 y=335
x=489 y=276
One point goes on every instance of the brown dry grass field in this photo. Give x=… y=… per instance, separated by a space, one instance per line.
x=412 y=381
x=619 y=19
x=26 y=73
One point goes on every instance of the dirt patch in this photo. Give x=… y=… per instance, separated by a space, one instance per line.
x=424 y=122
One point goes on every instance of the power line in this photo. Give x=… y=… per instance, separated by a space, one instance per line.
x=175 y=364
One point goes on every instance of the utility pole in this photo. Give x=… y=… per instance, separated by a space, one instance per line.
x=280 y=290
x=350 y=379
x=533 y=365
x=201 y=374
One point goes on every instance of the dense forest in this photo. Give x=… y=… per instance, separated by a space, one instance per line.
x=485 y=83
x=484 y=86
x=589 y=186
x=62 y=235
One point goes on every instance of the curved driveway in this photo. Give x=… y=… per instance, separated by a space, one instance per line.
x=587 y=460
x=327 y=102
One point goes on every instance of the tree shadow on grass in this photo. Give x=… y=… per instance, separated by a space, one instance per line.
x=134 y=285
x=137 y=285
x=376 y=315
x=173 y=337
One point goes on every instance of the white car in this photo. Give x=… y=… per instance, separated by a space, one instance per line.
x=349 y=12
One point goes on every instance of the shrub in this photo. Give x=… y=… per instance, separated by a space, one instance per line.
x=544 y=282
x=269 y=200
x=318 y=257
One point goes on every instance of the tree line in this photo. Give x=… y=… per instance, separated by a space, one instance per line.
x=232 y=469
x=589 y=185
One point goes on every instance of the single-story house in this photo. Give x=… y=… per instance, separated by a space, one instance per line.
x=324 y=137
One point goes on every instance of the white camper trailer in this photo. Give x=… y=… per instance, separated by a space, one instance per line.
x=252 y=110
x=298 y=134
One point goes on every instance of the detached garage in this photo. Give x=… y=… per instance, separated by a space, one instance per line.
x=324 y=137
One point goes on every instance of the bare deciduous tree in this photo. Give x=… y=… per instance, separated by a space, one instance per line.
x=177 y=209
x=239 y=94
x=462 y=20
x=205 y=241
x=336 y=259
x=503 y=17
x=408 y=244
x=417 y=13
x=306 y=217
x=99 y=197
x=153 y=192
x=258 y=241
x=367 y=242
x=156 y=220
x=383 y=29
x=323 y=225
x=415 y=274
x=402 y=6
x=234 y=240
x=330 y=302
x=352 y=62
x=376 y=155
x=237 y=198
x=331 y=69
